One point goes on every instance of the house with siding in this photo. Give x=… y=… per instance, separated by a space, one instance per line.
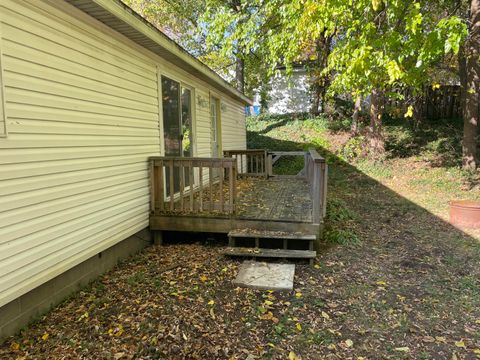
x=89 y=91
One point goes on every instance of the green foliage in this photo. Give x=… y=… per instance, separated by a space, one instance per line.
x=378 y=44
x=353 y=148
x=438 y=141
x=338 y=224
x=177 y=19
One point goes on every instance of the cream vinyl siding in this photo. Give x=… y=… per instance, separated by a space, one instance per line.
x=83 y=118
x=3 y=115
x=82 y=109
x=234 y=133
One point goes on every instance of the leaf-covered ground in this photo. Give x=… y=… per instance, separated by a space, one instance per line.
x=409 y=289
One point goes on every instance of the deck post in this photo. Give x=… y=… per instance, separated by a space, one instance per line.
x=158 y=175
x=269 y=169
x=157 y=237
x=324 y=188
x=152 y=187
x=316 y=193
x=172 y=191
x=306 y=163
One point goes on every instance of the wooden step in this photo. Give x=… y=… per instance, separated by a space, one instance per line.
x=270 y=253
x=264 y=234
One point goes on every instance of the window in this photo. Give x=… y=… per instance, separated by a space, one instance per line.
x=177 y=126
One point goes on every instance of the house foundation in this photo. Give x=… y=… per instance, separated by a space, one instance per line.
x=21 y=311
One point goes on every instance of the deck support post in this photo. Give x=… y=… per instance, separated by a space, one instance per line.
x=157 y=237
x=269 y=165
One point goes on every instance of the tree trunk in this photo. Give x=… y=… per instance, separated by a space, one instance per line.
x=240 y=74
x=356 y=115
x=319 y=82
x=418 y=109
x=471 y=102
x=264 y=97
x=375 y=131
x=462 y=74
x=315 y=109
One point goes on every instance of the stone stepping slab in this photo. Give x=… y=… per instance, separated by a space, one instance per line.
x=265 y=276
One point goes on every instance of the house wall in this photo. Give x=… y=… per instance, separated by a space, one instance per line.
x=288 y=94
x=82 y=116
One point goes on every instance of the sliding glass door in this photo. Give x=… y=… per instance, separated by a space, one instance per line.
x=177 y=127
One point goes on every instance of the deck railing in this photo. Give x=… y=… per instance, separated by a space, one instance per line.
x=208 y=185
x=316 y=173
x=250 y=162
x=182 y=185
x=274 y=156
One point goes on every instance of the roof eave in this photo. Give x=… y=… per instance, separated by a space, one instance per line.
x=118 y=16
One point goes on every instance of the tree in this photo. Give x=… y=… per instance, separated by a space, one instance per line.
x=178 y=19
x=181 y=21
x=378 y=45
x=319 y=79
x=470 y=75
x=227 y=16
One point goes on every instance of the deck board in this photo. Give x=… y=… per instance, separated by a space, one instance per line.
x=278 y=199
x=278 y=204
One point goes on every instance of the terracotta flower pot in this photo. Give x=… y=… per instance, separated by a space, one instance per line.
x=465 y=213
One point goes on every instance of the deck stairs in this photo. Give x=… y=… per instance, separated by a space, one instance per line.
x=270 y=244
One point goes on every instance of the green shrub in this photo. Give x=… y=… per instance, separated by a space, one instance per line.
x=341 y=237
x=353 y=148
x=338 y=224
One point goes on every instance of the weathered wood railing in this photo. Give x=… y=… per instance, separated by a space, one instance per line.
x=274 y=156
x=180 y=185
x=316 y=173
x=250 y=162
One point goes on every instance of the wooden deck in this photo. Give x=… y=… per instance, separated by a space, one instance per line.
x=279 y=199
x=238 y=192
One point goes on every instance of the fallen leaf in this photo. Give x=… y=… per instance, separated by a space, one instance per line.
x=14 y=346
x=298 y=295
x=293 y=356
x=325 y=315
x=460 y=344
x=403 y=349
x=428 y=339
x=203 y=278
x=45 y=337
x=211 y=302
x=299 y=326
x=349 y=343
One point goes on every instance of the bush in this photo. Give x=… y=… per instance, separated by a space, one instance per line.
x=338 y=224
x=353 y=148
